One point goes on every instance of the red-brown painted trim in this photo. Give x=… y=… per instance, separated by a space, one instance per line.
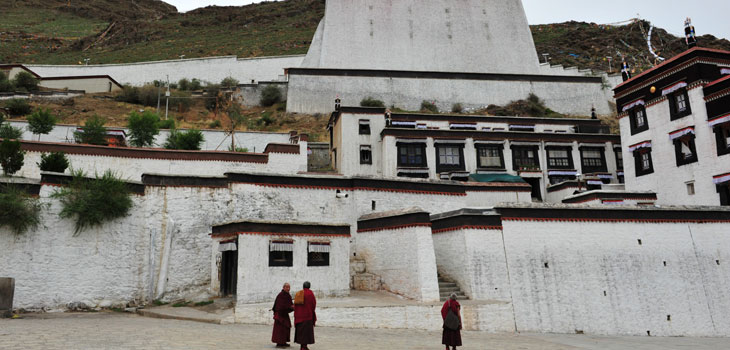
x=288 y=148
x=396 y=227
x=466 y=227
x=696 y=221
x=233 y=234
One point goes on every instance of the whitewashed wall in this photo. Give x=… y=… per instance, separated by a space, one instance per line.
x=89 y=85
x=410 y=272
x=208 y=69
x=258 y=282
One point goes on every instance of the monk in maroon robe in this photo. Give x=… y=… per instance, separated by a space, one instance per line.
x=451 y=337
x=305 y=317
x=282 y=324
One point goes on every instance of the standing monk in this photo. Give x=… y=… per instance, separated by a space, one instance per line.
x=304 y=316
x=282 y=324
x=451 y=337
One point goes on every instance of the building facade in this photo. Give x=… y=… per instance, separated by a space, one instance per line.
x=675 y=129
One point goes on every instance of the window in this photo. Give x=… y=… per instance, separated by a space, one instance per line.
x=684 y=149
x=619 y=158
x=449 y=157
x=281 y=253
x=593 y=160
x=412 y=155
x=722 y=135
x=364 y=127
x=318 y=254
x=560 y=158
x=490 y=157
x=644 y=165
x=724 y=191
x=556 y=179
x=638 y=120
x=691 y=188
x=366 y=155
x=679 y=104
x=525 y=158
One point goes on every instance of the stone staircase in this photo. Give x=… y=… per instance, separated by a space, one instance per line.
x=447 y=287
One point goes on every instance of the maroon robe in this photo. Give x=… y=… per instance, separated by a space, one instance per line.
x=305 y=318
x=282 y=323
x=449 y=337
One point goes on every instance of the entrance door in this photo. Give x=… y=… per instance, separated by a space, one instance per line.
x=536 y=189
x=229 y=273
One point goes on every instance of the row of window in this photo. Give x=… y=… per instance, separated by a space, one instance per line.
x=679 y=107
x=281 y=254
x=450 y=157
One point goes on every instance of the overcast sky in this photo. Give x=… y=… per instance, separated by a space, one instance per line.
x=708 y=16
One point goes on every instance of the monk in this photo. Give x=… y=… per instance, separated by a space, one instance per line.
x=304 y=316
x=282 y=324
x=451 y=337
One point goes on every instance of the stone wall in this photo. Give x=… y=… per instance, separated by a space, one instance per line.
x=250 y=94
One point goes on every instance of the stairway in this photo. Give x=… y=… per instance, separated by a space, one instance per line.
x=447 y=287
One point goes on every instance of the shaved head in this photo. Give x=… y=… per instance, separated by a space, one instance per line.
x=286 y=287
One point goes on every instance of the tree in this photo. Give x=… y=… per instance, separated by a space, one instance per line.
x=11 y=157
x=93 y=132
x=9 y=132
x=229 y=83
x=185 y=140
x=41 y=122
x=143 y=128
x=17 y=107
x=5 y=84
x=55 y=162
x=26 y=81
x=270 y=96
x=235 y=116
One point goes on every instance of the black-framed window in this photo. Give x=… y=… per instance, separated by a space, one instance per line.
x=364 y=128
x=722 y=137
x=679 y=106
x=525 y=158
x=684 y=150
x=490 y=156
x=638 y=120
x=643 y=162
x=366 y=155
x=593 y=159
x=281 y=254
x=559 y=157
x=318 y=254
x=618 y=154
x=412 y=155
x=449 y=157
x=724 y=191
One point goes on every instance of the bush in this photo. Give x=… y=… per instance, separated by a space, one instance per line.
x=185 y=140
x=18 y=210
x=55 y=162
x=129 y=94
x=238 y=149
x=93 y=132
x=143 y=128
x=183 y=84
x=371 y=102
x=149 y=94
x=17 y=107
x=41 y=122
x=195 y=85
x=9 y=132
x=270 y=96
x=92 y=202
x=167 y=124
x=12 y=157
x=427 y=106
x=180 y=101
x=5 y=84
x=457 y=108
x=211 y=97
x=27 y=81
x=229 y=83
x=215 y=124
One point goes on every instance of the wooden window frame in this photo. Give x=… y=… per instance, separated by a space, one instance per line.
x=519 y=150
x=587 y=169
x=499 y=148
x=635 y=128
x=568 y=149
x=673 y=108
x=678 y=150
x=421 y=146
x=440 y=168
x=640 y=171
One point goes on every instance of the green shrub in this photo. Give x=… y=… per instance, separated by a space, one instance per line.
x=270 y=95
x=129 y=94
x=195 y=85
x=427 y=106
x=371 y=102
x=5 y=84
x=215 y=124
x=10 y=132
x=12 y=156
x=143 y=128
x=185 y=140
x=203 y=303
x=168 y=124
x=17 y=107
x=266 y=118
x=18 y=211
x=457 y=108
x=55 y=162
x=229 y=83
x=92 y=202
x=93 y=132
x=238 y=149
x=41 y=122
x=27 y=81
x=183 y=84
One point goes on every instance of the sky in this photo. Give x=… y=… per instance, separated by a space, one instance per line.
x=707 y=15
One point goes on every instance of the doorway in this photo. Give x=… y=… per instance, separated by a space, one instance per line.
x=229 y=273
x=536 y=189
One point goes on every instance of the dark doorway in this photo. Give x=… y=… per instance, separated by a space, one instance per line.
x=536 y=189
x=229 y=273
x=724 y=191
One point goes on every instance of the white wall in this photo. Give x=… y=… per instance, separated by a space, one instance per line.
x=409 y=272
x=208 y=69
x=89 y=85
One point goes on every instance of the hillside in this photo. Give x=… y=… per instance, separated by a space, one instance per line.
x=109 y=31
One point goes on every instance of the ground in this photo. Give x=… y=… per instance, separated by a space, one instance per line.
x=106 y=330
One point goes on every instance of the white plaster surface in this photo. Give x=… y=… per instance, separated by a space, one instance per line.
x=89 y=85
